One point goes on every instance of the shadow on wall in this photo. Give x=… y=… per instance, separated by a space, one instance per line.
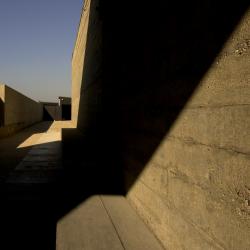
x=47 y=116
x=152 y=60
x=10 y=154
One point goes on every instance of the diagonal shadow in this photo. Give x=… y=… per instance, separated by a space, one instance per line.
x=152 y=60
x=142 y=63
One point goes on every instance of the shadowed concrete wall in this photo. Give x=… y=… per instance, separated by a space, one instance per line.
x=194 y=191
x=51 y=111
x=19 y=111
x=175 y=96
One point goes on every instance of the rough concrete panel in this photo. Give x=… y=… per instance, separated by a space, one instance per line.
x=213 y=126
x=194 y=191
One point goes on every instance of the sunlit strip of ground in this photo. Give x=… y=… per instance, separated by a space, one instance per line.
x=47 y=137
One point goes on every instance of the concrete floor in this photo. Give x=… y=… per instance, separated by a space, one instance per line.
x=10 y=151
x=41 y=209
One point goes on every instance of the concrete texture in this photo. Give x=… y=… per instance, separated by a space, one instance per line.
x=104 y=222
x=42 y=163
x=31 y=191
x=2 y=105
x=169 y=95
x=19 y=111
x=37 y=203
x=194 y=190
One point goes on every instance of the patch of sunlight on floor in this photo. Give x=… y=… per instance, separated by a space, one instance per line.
x=31 y=141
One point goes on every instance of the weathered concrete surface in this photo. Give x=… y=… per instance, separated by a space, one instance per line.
x=51 y=111
x=2 y=105
x=31 y=194
x=194 y=192
x=87 y=227
x=171 y=112
x=42 y=162
x=104 y=222
x=19 y=111
x=37 y=209
x=14 y=148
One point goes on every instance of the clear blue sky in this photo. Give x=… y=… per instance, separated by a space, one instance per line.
x=36 y=42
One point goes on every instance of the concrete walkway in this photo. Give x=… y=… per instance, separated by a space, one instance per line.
x=42 y=162
x=14 y=148
x=38 y=212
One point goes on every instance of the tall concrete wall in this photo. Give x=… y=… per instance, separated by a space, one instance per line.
x=1 y=105
x=173 y=104
x=194 y=190
x=19 y=111
x=86 y=68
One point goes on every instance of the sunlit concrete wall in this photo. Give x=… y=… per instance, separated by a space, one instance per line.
x=1 y=105
x=19 y=111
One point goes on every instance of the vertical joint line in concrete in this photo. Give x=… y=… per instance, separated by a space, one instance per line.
x=112 y=222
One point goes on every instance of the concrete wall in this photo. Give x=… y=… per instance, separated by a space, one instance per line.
x=194 y=190
x=2 y=105
x=175 y=114
x=78 y=56
x=86 y=68
x=19 y=111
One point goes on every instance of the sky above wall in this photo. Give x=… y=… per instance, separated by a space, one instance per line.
x=36 y=42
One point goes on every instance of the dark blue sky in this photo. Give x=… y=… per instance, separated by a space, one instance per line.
x=36 y=42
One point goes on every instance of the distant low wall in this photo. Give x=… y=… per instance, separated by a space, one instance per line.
x=51 y=112
x=18 y=111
